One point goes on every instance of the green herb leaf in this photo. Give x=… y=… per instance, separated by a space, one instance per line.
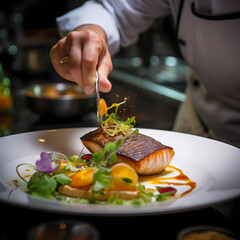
x=101 y=180
x=127 y=180
x=137 y=201
x=42 y=184
x=78 y=200
x=110 y=151
x=120 y=201
x=34 y=179
x=119 y=143
x=163 y=196
x=144 y=193
x=59 y=196
x=110 y=154
x=74 y=158
x=130 y=122
x=68 y=167
x=62 y=178
x=49 y=196
x=97 y=157
x=109 y=147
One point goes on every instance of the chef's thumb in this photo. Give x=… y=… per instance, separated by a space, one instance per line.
x=103 y=72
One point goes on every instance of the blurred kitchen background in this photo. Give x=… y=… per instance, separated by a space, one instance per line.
x=150 y=73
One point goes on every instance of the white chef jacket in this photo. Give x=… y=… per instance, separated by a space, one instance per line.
x=209 y=37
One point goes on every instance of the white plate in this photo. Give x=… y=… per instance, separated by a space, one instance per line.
x=213 y=165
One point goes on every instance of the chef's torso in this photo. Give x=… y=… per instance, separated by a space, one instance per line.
x=211 y=46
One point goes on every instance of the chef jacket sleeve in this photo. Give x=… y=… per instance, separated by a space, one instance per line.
x=122 y=20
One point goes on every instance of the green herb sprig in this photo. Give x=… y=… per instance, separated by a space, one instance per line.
x=112 y=125
x=41 y=184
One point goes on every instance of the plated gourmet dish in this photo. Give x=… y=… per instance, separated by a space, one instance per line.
x=123 y=166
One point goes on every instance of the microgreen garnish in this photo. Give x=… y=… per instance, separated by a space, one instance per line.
x=41 y=184
x=127 y=180
x=68 y=166
x=113 y=126
x=62 y=179
x=108 y=157
x=110 y=152
x=101 y=180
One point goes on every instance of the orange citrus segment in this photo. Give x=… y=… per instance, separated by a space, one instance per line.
x=82 y=178
x=123 y=171
x=102 y=107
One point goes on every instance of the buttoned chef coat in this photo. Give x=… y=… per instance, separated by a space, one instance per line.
x=209 y=38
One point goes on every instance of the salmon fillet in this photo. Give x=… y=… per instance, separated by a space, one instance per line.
x=143 y=153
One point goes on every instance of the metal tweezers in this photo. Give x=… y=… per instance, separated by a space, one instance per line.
x=98 y=98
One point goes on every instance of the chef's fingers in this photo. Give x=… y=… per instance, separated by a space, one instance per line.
x=104 y=69
x=74 y=46
x=58 y=51
x=92 y=49
x=77 y=56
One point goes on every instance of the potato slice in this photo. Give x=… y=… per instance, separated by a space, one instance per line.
x=87 y=193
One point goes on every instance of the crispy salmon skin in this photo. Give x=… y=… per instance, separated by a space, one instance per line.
x=145 y=154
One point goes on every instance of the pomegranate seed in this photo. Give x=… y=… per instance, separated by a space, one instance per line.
x=167 y=189
x=87 y=157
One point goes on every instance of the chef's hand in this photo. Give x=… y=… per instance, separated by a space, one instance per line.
x=86 y=50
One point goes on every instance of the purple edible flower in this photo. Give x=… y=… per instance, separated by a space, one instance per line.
x=167 y=189
x=45 y=164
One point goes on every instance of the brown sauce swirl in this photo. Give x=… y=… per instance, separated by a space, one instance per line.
x=163 y=179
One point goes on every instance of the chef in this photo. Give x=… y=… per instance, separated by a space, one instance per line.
x=208 y=33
